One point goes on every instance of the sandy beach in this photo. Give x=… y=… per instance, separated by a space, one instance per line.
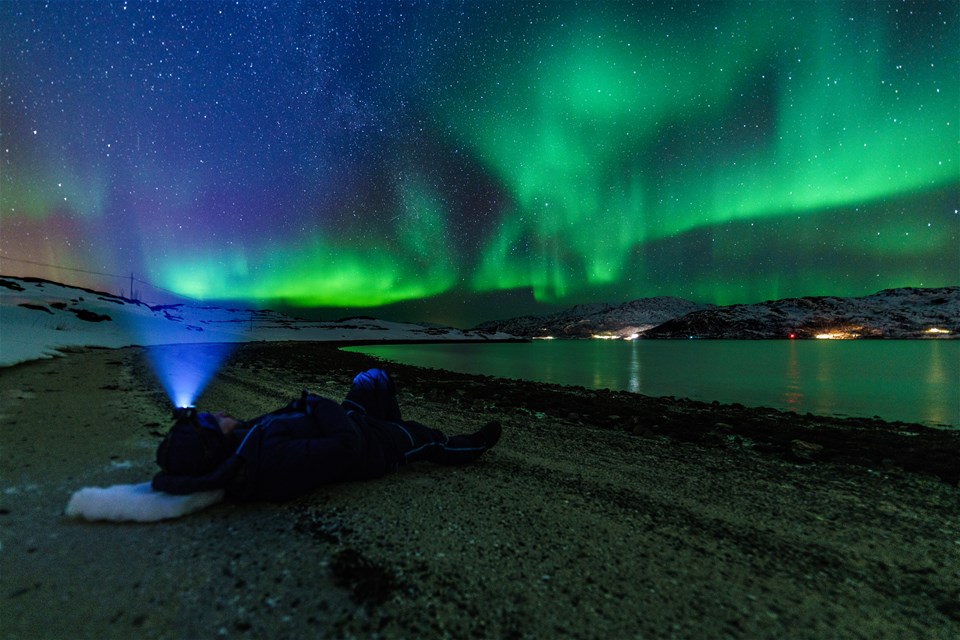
x=599 y=515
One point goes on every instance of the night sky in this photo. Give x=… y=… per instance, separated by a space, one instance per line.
x=461 y=161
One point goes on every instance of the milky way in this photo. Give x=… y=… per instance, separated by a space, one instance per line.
x=490 y=154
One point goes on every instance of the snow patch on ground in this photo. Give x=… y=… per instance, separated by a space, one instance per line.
x=39 y=319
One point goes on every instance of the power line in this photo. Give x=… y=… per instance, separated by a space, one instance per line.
x=96 y=273
x=57 y=266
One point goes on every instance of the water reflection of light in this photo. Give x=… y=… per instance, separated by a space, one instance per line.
x=936 y=372
x=936 y=380
x=596 y=363
x=793 y=396
x=635 y=380
x=822 y=399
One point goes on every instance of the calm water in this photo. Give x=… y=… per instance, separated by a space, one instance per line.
x=909 y=380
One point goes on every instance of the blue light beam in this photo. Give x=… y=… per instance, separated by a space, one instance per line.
x=185 y=369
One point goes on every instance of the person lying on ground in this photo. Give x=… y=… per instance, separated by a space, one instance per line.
x=308 y=443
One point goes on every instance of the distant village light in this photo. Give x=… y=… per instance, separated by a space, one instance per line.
x=837 y=335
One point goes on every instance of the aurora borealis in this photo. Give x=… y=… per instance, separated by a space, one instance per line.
x=473 y=159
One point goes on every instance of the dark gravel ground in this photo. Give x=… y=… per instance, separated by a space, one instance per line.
x=599 y=515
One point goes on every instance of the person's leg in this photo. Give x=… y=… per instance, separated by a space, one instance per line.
x=373 y=393
x=432 y=445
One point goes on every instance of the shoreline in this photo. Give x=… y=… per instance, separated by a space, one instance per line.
x=871 y=442
x=599 y=514
x=808 y=381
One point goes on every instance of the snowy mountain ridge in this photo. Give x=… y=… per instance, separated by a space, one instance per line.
x=39 y=318
x=892 y=313
x=626 y=320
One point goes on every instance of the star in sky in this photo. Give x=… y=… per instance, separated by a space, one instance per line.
x=478 y=158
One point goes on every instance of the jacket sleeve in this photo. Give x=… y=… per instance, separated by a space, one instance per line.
x=183 y=485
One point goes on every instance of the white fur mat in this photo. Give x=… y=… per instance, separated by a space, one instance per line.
x=136 y=502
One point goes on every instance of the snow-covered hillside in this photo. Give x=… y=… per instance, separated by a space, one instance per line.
x=39 y=317
x=626 y=320
x=892 y=313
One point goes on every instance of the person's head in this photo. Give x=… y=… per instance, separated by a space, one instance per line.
x=195 y=445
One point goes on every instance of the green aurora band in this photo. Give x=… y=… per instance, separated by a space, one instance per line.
x=778 y=149
x=731 y=152
x=702 y=158
x=365 y=271
x=573 y=138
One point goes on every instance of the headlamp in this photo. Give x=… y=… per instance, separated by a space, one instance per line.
x=184 y=413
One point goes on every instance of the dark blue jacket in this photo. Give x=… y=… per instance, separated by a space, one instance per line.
x=295 y=450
